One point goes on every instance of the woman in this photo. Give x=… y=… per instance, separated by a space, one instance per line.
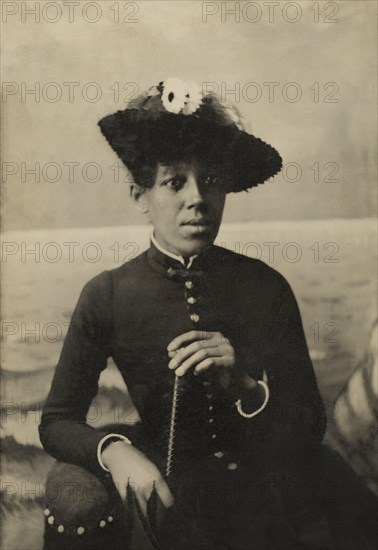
x=211 y=346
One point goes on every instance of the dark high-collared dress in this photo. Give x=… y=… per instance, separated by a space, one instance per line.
x=235 y=479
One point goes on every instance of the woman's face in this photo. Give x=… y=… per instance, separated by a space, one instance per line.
x=185 y=206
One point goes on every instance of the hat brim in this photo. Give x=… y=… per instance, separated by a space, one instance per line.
x=141 y=135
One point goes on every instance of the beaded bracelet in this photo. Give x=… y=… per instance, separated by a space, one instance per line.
x=116 y=437
x=251 y=415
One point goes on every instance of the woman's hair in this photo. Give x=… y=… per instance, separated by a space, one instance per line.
x=143 y=173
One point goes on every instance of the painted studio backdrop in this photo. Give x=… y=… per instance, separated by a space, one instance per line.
x=302 y=76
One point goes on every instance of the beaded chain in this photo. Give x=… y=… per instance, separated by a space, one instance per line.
x=172 y=429
x=149 y=523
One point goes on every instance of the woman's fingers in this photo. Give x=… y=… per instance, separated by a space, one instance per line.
x=121 y=488
x=142 y=501
x=202 y=351
x=187 y=337
x=207 y=355
x=164 y=493
x=192 y=350
x=143 y=494
x=198 y=340
x=209 y=363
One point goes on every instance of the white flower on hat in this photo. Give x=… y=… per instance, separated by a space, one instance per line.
x=181 y=97
x=174 y=95
x=193 y=98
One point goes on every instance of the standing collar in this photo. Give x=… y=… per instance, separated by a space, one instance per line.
x=180 y=259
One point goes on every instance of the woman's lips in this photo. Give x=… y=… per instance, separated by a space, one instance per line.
x=198 y=226
x=198 y=223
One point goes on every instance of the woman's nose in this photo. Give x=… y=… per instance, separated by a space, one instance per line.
x=195 y=194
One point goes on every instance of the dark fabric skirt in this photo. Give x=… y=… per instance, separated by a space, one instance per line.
x=218 y=506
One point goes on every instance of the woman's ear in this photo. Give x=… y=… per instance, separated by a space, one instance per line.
x=138 y=197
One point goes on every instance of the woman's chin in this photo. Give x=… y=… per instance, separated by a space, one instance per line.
x=197 y=244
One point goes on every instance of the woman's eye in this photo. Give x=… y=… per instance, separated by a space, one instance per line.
x=175 y=183
x=211 y=179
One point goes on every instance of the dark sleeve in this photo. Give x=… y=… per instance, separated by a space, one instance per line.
x=296 y=404
x=63 y=429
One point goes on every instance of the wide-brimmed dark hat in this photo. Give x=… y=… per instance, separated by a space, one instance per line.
x=175 y=121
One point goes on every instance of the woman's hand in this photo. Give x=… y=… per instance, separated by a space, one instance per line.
x=200 y=350
x=126 y=463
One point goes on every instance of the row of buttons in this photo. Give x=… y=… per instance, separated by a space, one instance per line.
x=195 y=318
